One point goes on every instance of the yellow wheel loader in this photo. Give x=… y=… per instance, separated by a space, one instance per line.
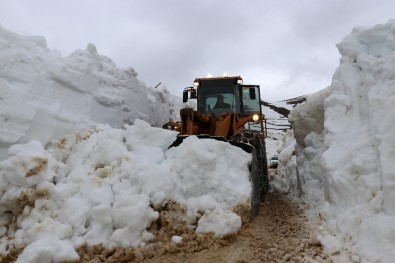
x=228 y=110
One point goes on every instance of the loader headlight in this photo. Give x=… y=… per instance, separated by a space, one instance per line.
x=255 y=117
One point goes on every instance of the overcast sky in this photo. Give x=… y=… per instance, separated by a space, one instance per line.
x=286 y=46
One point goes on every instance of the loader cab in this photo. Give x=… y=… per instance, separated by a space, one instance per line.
x=224 y=95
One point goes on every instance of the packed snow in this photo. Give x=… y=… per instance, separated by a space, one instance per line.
x=82 y=159
x=345 y=138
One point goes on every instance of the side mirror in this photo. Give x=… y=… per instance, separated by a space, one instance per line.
x=185 y=96
x=252 y=93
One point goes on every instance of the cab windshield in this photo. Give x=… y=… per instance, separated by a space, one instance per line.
x=217 y=99
x=219 y=103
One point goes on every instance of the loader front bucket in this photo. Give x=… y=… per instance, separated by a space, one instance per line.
x=254 y=170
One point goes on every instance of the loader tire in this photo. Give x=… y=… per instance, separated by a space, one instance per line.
x=255 y=139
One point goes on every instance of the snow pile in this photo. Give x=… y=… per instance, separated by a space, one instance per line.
x=108 y=186
x=345 y=145
x=285 y=179
x=44 y=95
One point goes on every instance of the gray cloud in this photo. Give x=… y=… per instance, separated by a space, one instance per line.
x=288 y=47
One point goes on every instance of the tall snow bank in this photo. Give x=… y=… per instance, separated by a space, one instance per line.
x=108 y=186
x=44 y=95
x=345 y=144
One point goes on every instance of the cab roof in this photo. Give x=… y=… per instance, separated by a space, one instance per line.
x=235 y=78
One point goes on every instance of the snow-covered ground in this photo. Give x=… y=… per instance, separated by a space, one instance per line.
x=72 y=172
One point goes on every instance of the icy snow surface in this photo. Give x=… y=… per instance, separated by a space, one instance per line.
x=345 y=145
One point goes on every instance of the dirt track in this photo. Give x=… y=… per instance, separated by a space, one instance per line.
x=281 y=233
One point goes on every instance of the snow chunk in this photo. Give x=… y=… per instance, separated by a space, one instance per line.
x=27 y=165
x=48 y=250
x=221 y=224
x=176 y=239
x=331 y=244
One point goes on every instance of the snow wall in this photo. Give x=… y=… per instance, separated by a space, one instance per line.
x=345 y=141
x=44 y=95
